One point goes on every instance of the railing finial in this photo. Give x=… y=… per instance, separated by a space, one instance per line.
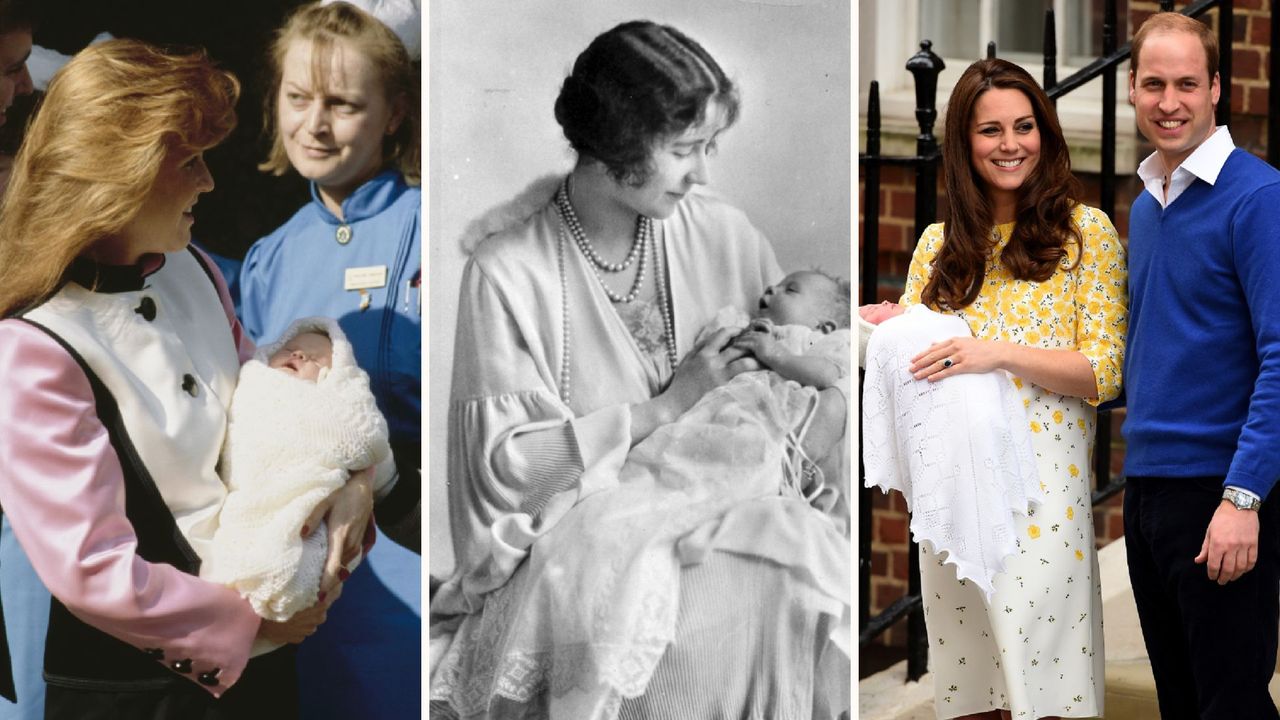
x=1050 y=50
x=925 y=65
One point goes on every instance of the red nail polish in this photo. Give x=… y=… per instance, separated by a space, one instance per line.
x=306 y=529
x=343 y=573
x=321 y=596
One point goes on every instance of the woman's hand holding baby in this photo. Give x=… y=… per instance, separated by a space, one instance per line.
x=303 y=623
x=348 y=512
x=710 y=364
x=1066 y=372
x=758 y=340
x=958 y=355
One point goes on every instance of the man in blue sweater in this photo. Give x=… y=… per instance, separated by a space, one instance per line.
x=1202 y=375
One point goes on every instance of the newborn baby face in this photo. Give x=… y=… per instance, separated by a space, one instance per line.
x=801 y=298
x=304 y=355
x=876 y=314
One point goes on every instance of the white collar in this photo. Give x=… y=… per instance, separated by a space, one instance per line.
x=1205 y=162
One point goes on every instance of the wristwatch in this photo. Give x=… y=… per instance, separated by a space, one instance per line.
x=1242 y=501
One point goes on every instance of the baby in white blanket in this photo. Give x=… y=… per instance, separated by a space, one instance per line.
x=302 y=420
x=749 y=437
x=959 y=449
x=703 y=482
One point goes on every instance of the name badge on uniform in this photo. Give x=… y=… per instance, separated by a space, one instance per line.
x=363 y=278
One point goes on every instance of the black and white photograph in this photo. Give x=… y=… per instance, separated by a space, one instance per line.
x=639 y=346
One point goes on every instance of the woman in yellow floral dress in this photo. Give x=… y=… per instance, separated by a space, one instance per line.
x=1040 y=280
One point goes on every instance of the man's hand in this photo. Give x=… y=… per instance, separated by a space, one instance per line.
x=1230 y=544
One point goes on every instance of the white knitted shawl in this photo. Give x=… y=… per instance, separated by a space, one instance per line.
x=958 y=449
x=290 y=443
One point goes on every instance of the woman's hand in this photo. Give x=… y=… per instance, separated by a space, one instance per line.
x=347 y=512
x=1066 y=372
x=758 y=340
x=958 y=355
x=303 y=623
x=708 y=366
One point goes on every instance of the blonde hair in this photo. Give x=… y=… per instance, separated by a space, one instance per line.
x=93 y=151
x=324 y=26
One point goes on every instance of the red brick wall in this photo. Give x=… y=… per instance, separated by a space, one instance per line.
x=1250 y=57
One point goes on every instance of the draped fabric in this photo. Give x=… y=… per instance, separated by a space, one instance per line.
x=579 y=610
x=959 y=450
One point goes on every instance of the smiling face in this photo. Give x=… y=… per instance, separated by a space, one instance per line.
x=677 y=163
x=801 y=298
x=15 y=80
x=163 y=223
x=303 y=356
x=333 y=130
x=1004 y=146
x=1173 y=95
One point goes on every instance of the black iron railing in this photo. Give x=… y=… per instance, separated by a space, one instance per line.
x=925 y=67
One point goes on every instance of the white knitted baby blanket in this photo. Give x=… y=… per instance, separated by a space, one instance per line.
x=290 y=442
x=958 y=449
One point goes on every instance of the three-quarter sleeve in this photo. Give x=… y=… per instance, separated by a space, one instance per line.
x=1101 y=302
x=63 y=492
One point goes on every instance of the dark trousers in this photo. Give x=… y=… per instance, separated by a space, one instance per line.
x=1212 y=647
x=268 y=690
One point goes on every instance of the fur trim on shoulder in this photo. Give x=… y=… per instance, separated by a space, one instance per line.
x=510 y=213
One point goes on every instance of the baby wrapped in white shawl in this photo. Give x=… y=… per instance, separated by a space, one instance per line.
x=296 y=431
x=959 y=449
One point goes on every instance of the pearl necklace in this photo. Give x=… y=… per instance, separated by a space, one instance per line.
x=640 y=247
x=565 y=205
x=566 y=344
x=664 y=306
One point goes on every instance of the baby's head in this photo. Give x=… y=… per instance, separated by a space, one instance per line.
x=807 y=297
x=876 y=314
x=304 y=356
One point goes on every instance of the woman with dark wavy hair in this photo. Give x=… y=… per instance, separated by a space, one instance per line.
x=575 y=342
x=1040 y=280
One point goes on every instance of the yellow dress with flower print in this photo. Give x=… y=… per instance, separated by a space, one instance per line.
x=1036 y=648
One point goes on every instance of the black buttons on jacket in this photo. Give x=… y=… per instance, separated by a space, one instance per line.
x=154 y=653
x=209 y=678
x=147 y=309
x=182 y=666
x=189 y=385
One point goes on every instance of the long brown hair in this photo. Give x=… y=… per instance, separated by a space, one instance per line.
x=93 y=151
x=1044 y=227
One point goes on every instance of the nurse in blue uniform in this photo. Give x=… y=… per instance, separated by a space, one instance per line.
x=345 y=112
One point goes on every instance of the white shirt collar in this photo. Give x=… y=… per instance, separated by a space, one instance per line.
x=1205 y=162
